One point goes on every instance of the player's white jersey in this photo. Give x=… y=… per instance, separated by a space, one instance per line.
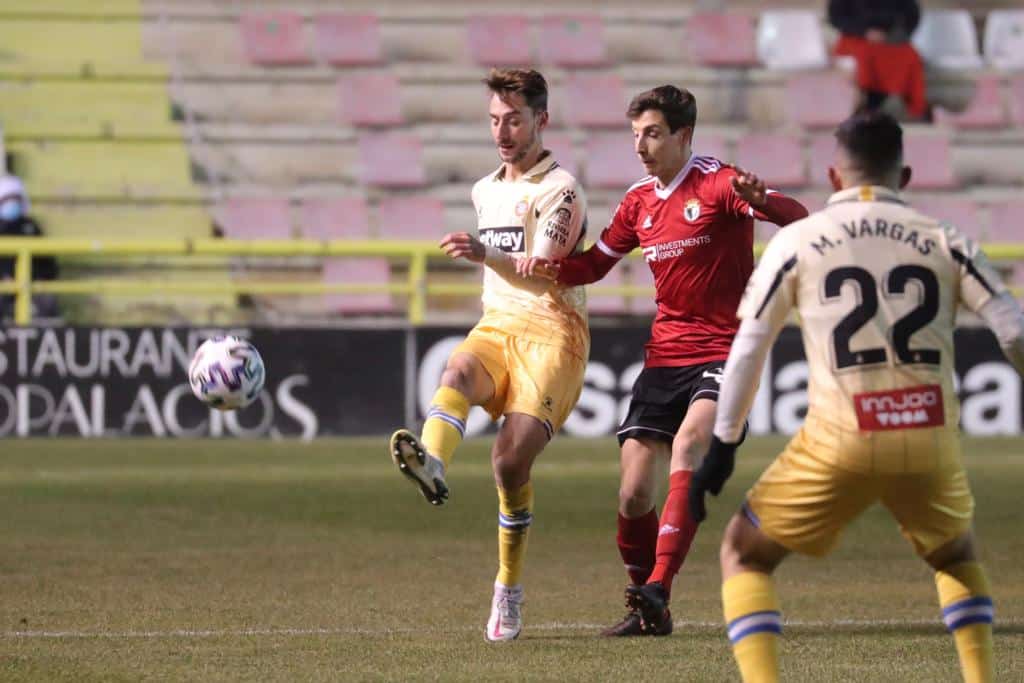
x=543 y=213
x=876 y=284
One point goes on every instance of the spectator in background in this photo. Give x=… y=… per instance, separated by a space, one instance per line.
x=15 y=222
x=889 y=71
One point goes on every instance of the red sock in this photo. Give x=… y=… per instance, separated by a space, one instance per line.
x=637 y=540
x=676 y=532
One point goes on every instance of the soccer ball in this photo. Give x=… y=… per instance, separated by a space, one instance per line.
x=226 y=373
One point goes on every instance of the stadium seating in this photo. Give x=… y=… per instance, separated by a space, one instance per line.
x=499 y=39
x=392 y=160
x=122 y=221
x=1005 y=224
x=1017 y=99
x=275 y=39
x=947 y=38
x=80 y=43
x=561 y=147
x=819 y=100
x=572 y=40
x=611 y=162
x=252 y=218
x=335 y=218
x=348 y=39
x=713 y=145
x=722 y=39
x=986 y=108
x=370 y=99
x=961 y=212
x=776 y=157
x=929 y=157
x=596 y=100
x=1004 y=39
x=361 y=271
x=411 y=218
x=791 y=39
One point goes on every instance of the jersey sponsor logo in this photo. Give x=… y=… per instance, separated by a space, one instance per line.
x=673 y=249
x=558 y=226
x=507 y=239
x=692 y=210
x=910 y=408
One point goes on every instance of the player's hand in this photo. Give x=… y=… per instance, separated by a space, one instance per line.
x=463 y=245
x=711 y=475
x=536 y=266
x=750 y=188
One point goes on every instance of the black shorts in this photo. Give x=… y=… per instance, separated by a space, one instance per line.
x=661 y=397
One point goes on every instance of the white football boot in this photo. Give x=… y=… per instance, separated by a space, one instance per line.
x=421 y=468
x=506 y=613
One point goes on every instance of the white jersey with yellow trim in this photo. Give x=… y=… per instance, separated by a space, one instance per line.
x=877 y=285
x=542 y=213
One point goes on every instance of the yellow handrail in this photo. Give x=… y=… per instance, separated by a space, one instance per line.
x=417 y=287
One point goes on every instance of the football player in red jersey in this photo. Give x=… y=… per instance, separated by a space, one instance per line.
x=693 y=216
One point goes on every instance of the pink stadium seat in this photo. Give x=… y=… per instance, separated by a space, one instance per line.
x=335 y=218
x=499 y=39
x=608 y=304
x=931 y=160
x=712 y=145
x=819 y=100
x=348 y=39
x=985 y=110
x=596 y=100
x=776 y=157
x=370 y=99
x=275 y=39
x=1007 y=218
x=572 y=40
x=1017 y=99
x=251 y=218
x=560 y=145
x=611 y=161
x=823 y=150
x=640 y=276
x=962 y=212
x=719 y=39
x=410 y=218
x=363 y=271
x=392 y=160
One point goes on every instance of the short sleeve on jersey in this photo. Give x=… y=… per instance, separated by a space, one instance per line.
x=771 y=290
x=620 y=237
x=979 y=281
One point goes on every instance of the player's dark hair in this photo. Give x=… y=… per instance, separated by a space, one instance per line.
x=526 y=82
x=873 y=141
x=677 y=105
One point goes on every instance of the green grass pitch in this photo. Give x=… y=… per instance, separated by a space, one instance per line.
x=258 y=561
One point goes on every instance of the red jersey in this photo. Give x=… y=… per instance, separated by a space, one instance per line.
x=697 y=237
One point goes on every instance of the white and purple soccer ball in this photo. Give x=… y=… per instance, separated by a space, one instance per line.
x=226 y=373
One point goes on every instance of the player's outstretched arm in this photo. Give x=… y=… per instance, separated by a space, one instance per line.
x=1003 y=315
x=767 y=205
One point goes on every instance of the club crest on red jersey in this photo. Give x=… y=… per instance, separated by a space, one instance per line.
x=692 y=210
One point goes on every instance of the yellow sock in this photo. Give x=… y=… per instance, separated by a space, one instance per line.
x=754 y=622
x=446 y=423
x=966 y=601
x=514 y=519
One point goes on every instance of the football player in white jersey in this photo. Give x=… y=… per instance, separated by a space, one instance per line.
x=877 y=285
x=525 y=359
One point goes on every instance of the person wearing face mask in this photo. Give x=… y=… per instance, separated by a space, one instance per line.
x=15 y=221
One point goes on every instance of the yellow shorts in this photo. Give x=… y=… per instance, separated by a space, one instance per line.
x=804 y=500
x=542 y=380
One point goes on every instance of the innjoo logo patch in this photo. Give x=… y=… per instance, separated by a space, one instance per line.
x=910 y=408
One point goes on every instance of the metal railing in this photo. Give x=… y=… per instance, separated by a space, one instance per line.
x=417 y=285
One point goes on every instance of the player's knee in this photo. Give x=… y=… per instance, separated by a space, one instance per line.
x=458 y=374
x=960 y=549
x=730 y=554
x=635 y=500
x=509 y=472
x=689 y=446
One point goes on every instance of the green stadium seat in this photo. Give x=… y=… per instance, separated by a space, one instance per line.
x=123 y=221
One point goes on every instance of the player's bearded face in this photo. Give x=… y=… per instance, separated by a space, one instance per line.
x=515 y=127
